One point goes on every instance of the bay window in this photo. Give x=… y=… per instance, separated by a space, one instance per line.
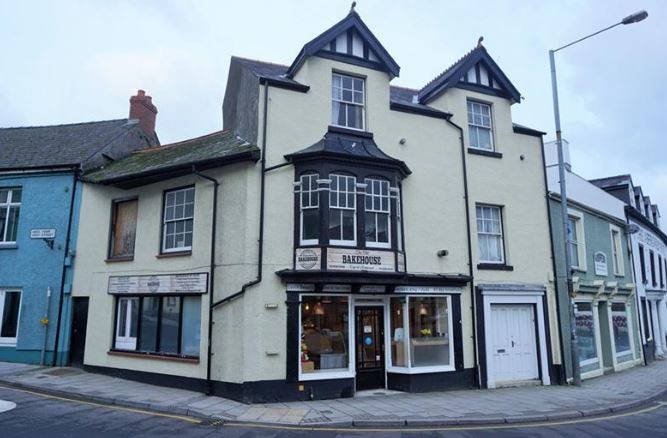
x=324 y=334
x=343 y=210
x=10 y=206
x=347 y=101
x=309 y=202
x=421 y=333
x=377 y=213
x=166 y=325
x=10 y=305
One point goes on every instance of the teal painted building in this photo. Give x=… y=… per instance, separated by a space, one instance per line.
x=40 y=195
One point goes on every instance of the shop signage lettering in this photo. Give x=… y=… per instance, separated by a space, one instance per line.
x=340 y=259
x=600 y=263
x=373 y=289
x=426 y=290
x=337 y=288
x=308 y=259
x=158 y=284
x=300 y=287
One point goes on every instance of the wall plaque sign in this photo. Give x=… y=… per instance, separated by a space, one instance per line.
x=43 y=233
x=343 y=259
x=600 y=259
x=158 y=284
x=308 y=259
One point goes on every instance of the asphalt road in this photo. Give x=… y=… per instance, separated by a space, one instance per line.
x=37 y=415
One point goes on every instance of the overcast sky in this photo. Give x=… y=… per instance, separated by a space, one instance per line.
x=74 y=61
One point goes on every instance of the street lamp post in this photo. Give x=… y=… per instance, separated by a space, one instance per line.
x=576 y=370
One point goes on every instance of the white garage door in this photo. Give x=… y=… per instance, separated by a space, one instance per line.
x=514 y=349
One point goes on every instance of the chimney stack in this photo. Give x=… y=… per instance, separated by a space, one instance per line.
x=142 y=109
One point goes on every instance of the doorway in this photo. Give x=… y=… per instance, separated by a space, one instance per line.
x=370 y=365
x=514 y=347
x=79 y=324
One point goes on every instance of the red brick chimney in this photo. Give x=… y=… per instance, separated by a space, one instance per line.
x=142 y=109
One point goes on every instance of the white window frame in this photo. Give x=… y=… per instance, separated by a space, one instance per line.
x=470 y=109
x=165 y=221
x=596 y=333
x=340 y=373
x=617 y=250
x=125 y=342
x=631 y=334
x=343 y=104
x=369 y=192
x=406 y=328
x=501 y=234
x=7 y=341
x=581 y=239
x=9 y=205
x=399 y=219
x=343 y=193
x=313 y=188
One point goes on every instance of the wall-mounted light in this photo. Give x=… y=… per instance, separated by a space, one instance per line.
x=402 y=141
x=443 y=252
x=522 y=157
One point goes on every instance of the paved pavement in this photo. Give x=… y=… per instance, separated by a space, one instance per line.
x=603 y=395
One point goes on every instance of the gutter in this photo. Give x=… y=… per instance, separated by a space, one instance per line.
x=214 y=217
x=64 y=271
x=470 y=270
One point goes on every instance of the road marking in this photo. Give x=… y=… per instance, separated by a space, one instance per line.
x=364 y=430
x=6 y=406
x=114 y=407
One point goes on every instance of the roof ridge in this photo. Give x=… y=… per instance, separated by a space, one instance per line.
x=260 y=61
x=448 y=69
x=404 y=88
x=612 y=176
x=66 y=124
x=182 y=142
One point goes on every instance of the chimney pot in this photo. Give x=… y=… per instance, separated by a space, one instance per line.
x=142 y=109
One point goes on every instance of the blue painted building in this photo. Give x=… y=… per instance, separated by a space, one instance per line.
x=40 y=194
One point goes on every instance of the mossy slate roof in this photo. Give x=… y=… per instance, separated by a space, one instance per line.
x=176 y=159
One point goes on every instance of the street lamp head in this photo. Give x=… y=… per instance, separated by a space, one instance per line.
x=635 y=18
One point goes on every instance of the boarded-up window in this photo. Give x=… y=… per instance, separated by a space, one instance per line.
x=123 y=228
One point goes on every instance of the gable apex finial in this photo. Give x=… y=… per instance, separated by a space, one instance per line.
x=354 y=4
x=479 y=41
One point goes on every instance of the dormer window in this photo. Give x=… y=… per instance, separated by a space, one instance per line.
x=479 y=126
x=347 y=101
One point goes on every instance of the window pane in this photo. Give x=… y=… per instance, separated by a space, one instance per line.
x=10 y=315
x=4 y=196
x=383 y=228
x=348 y=225
x=370 y=227
x=169 y=325
x=354 y=117
x=484 y=136
x=124 y=228
x=191 y=332
x=324 y=333
x=621 y=333
x=149 y=322
x=190 y=195
x=399 y=355
x=429 y=331
x=585 y=332
x=311 y=224
x=122 y=317
x=335 y=224
x=12 y=223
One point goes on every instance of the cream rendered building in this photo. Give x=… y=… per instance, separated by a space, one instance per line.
x=386 y=238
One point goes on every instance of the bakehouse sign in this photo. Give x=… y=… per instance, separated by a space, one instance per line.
x=344 y=259
x=158 y=284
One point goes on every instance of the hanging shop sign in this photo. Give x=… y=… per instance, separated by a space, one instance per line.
x=426 y=290
x=600 y=264
x=308 y=259
x=343 y=259
x=158 y=284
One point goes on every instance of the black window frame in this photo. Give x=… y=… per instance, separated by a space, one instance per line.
x=156 y=351
x=112 y=219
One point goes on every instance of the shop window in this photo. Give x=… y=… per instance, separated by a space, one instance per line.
x=620 y=323
x=421 y=330
x=343 y=210
x=347 y=97
x=586 y=334
x=617 y=251
x=490 y=234
x=10 y=206
x=167 y=325
x=377 y=213
x=123 y=228
x=325 y=342
x=479 y=126
x=309 y=203
x=178 y=219
x=10 y=305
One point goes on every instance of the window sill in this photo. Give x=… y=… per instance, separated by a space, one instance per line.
x=153 y=356
x=352 y=131
x=494 y=267
x=119 y=259
x=485 y=153
x=166 y=255
x=8 y=246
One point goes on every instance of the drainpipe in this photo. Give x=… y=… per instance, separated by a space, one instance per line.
x=260 y=242
x=214 y=217
x=75 y=178
x=45 y=323
x=470 y=270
